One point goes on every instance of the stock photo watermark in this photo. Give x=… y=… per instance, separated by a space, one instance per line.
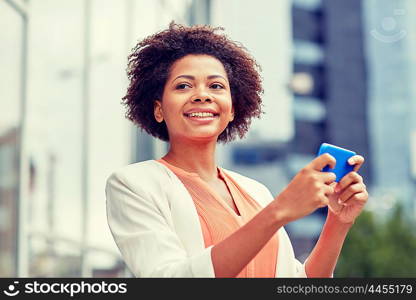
x=11 y=289
x=70 y=289
x=389 y=31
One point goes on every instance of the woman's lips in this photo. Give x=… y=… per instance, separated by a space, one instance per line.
x=201 y=120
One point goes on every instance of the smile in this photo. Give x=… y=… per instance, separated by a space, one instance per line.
x=201 y=115
x=201 y=118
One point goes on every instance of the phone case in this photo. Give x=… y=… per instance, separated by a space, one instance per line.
x=342 y=155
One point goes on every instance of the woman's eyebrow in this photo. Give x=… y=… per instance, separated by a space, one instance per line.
x=193 y=77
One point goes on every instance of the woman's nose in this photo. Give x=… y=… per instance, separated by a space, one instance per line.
x=201 y=97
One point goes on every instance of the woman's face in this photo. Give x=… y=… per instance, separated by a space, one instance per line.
x=196 y=102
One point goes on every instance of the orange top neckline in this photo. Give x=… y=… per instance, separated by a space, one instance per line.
x=181 y=171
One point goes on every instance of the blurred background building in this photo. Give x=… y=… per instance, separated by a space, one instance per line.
x=329 y=84
x=336 y=71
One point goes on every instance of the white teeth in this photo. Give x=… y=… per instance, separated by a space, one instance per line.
x=201 y=114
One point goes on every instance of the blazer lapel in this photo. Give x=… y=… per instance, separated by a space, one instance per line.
x=184 y=214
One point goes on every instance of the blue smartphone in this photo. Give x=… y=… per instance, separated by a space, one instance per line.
x=342 y=155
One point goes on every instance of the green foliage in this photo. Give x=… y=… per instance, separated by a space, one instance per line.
x=379 y=249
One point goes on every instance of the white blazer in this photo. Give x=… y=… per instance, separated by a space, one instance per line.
x=155 y=225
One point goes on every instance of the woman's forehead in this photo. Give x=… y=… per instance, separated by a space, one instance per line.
x=196 y=65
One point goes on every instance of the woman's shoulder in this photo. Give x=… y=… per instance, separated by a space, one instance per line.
x=252 y=186
x=241 y=177
x=136 y=168
x=144 y=173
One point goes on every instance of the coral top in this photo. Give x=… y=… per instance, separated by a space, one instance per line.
x=218 y=220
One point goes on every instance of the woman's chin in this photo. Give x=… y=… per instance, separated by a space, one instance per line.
x=201 y=137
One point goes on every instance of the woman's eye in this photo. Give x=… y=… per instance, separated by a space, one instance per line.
x=217 y=86
x=182 y=86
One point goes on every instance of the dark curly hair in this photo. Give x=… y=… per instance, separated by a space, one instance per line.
x=149 y=66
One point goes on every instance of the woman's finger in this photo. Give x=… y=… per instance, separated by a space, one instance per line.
x=351 y=190
x=357 y=161
x=359 y=197
x=329 y=188
x=351 y=178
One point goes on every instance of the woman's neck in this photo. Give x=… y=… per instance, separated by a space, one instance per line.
x=194 y=157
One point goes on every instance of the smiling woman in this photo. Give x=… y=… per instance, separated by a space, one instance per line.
x=182 y=215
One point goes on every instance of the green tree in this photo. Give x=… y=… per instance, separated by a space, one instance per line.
x=379 y=249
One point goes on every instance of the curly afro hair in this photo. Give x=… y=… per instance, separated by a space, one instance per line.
x=149 y=66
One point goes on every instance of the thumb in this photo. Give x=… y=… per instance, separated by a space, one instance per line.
x=333 y=204
x=333 y=184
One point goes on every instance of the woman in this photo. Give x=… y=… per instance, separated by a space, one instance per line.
x=184 y=216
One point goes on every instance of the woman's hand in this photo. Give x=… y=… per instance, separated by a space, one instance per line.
x=350 y=194
x=307 y=191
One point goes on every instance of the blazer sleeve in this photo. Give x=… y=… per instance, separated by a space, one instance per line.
x=294 y=267
x=148 y=244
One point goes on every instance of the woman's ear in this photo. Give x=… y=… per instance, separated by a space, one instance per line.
x=158 y=111
x=232 y=114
